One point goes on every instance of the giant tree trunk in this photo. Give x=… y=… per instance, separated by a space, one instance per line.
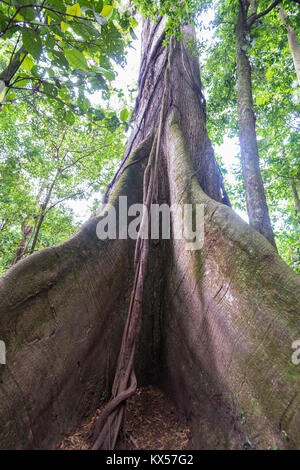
x=257 y=207
x=218 y=323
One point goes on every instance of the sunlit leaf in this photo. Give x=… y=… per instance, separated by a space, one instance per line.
x=77 y=59
x=73 y=10
x=107 y=10
x=64 y=26
x=19 y=17
x=124 y=114
x=27 y=63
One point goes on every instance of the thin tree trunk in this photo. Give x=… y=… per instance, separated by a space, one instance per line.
x=22 y=245
x=218 y=324
x=257 y=207
x=293 y=41
x=296 y=198
x=42 y=217
x=37 y=232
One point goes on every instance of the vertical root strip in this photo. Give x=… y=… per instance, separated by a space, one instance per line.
x=125 y=383
x=113 y=416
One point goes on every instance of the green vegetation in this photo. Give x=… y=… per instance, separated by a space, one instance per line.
x=45 y=163
x=62 y=50
x=59 y=58
x=276 y=97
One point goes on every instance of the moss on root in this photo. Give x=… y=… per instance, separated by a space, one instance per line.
x=245 y=298
x=59 y=308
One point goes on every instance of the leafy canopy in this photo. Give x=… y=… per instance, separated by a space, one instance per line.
x=63 y=50
x=44 y=164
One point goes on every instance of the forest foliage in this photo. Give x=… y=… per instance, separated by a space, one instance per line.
x=62 y=133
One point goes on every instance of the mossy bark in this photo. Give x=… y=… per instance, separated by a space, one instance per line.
x=231 y=316
x=62 y=312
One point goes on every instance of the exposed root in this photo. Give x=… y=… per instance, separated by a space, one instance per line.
x=125 y=383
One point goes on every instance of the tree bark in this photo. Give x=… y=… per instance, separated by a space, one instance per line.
x=37 y=231
x=22 y=245
x=296 y=197
x=293 y=41
x=257 y=207
x=42 y=216
x=217 y=324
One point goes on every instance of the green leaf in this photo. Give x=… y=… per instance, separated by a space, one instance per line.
x=99 y=6
x=50 y=72
x=29 y=13
x=102 y=21
x=59 y=58
x=35 y=71
x=10 y=32
x=124 y=114
x=50 y=41
x=19 y=17
x=134 y=22
x=69 y=117
x=86 y=30
x=57 y=4
x=65 y=95
x=32 y=42
x=83 y=104
x=132 y=34
x=50 y=89
x=99 y=115
x=248 y=441
x=107 y=10
x=10 y=95
x=108 y=74
x=4 y=20
x=19 y=2
x=53 y=16
x=27 y=63
x=77 y=59
x=112 y=123
x=73 y=10
x=85 y=3
x=64 y=26
x=98 y=82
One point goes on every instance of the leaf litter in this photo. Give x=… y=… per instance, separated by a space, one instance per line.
x=152 y=423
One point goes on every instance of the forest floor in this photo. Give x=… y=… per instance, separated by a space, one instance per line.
x=152 y=423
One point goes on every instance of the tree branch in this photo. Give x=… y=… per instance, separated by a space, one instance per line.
x=254 y=18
